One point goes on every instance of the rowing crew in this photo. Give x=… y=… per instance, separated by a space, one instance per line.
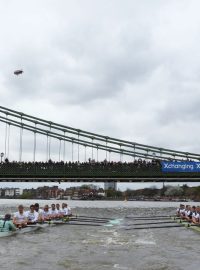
x=189 y=213
x=35 y=214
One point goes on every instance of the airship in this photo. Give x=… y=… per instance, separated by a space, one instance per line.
x=18 y=72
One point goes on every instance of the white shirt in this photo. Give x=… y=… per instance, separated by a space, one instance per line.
x=32 y=216
x=58 y=212
x=39 y=211
x=66 y=211
x=53 y=212
x=187 y=213
x=194 y=214
x=45 y=214
x=20 y=217
x=182 y=211
x=62 y=211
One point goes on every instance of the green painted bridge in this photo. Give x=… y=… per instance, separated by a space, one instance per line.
x=72 y=154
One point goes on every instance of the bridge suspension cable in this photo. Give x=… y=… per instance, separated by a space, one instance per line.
x=87 y=139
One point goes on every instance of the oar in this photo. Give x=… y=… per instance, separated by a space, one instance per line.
x=89 y=217
x=149 y=216
x=31 y=225
x=152 y=218
x=153 y=227
x=110 y=220
x=149 y=223
x=79 y=224
x=86 y=220
x=61 y=222
x=28 y=226
x=188 y=224
x=193 y=225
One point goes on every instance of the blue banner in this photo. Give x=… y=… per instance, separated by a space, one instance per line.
x=182 y=166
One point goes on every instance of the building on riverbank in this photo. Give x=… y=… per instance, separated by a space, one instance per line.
x=11 y=192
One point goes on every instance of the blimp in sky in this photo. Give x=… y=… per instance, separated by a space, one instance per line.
x=18 y=72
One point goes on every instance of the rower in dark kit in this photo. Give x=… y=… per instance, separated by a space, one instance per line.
x=6 y=224
x=180 y=210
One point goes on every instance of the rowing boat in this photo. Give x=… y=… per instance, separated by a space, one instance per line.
x=8 y=233
x=67 y=221
x=188 y=225
x=28 y=229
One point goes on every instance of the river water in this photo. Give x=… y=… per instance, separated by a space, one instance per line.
x=102 y=248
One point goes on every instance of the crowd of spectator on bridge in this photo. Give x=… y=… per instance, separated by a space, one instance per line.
x=91 y=165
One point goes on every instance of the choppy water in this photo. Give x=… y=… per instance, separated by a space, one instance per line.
x=102 y=248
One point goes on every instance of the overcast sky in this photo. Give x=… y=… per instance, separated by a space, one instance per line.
x=127 y=69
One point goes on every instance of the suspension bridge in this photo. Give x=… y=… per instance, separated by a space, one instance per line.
x=34 y=149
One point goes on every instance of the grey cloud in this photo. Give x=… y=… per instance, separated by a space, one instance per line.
x=125 y=70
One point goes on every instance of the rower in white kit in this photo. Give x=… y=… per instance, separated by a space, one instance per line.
x=32 y=215
x=66 y=210
x=20 y=217
x=45 y=214
x=53 y=211
x=58 y=211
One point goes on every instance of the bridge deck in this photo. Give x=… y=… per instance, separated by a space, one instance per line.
x=98 y=172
